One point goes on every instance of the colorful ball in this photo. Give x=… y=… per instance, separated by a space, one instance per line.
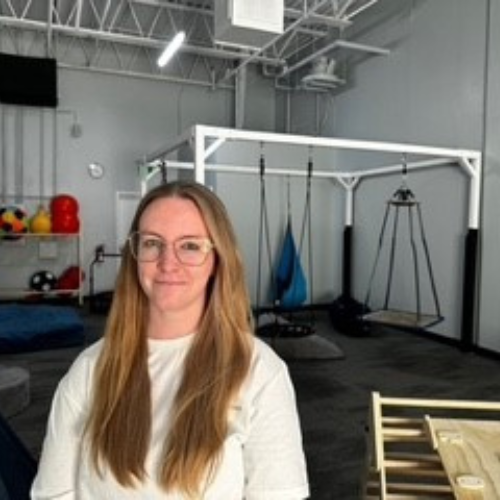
x=40 y=222
x=13 y=222
x=43 y=281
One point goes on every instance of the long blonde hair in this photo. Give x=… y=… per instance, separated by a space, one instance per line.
x=119 y=424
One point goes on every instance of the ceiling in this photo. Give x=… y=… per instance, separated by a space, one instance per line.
x=126 y=37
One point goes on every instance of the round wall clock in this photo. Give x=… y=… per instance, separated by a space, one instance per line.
x=95 y=170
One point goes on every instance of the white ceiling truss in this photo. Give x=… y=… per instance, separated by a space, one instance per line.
x=126 y=37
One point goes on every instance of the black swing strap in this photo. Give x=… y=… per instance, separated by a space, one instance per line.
x=392 y=256
x=264 y=236
x=163 y=168
x=428 y=260
x=306 y=224
x=416 y=267
x=377 y=256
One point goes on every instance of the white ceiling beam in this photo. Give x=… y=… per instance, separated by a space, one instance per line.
x=134 y=40
x=332 y=21
x=361 y=8
x=174 y=6
x=78 y=18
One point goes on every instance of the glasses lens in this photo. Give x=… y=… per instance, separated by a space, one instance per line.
x=146 y=247
x=192 y=251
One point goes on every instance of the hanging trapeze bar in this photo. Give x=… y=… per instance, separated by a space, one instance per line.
x=404 y=199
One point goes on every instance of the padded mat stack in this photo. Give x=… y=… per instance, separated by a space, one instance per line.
x=35 y=327
x=14 y=390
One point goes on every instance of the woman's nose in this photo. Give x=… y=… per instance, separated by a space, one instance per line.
x=167 y=257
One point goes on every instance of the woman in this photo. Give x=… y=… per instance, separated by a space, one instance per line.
x=179 y=400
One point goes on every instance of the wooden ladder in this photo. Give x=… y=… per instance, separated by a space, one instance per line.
x=404 y=457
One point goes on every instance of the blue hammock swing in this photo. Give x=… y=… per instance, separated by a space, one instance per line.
x=291 y=284
x=289 y=288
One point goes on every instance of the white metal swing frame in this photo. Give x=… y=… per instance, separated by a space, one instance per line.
x=206 y=140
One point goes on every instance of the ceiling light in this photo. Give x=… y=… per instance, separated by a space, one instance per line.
x=171 y=49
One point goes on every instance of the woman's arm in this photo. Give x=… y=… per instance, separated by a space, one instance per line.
x=60 y=457
x=275 y=467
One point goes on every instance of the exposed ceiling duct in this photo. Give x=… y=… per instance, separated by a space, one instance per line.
x=246 y=24
x=222 y=36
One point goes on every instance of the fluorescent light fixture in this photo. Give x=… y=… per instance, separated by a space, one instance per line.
x=171 y=49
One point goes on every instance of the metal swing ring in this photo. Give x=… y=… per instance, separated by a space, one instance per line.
x=403 y=197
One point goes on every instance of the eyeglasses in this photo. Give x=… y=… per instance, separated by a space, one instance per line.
x=147 y=247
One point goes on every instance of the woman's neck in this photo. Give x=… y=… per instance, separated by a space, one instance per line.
x=171 y=325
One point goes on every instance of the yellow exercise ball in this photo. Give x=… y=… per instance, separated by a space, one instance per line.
x=41 y=221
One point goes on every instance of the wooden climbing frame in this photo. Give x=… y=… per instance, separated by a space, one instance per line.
x=432 y=449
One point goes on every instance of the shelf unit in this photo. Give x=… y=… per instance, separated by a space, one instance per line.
x=33 y=252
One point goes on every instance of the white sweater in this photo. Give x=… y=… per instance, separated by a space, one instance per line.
x=262 y=458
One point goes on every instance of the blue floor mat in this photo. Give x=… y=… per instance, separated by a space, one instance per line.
x=36 y=327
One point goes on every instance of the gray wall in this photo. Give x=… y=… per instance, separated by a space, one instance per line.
x=489 y=311
x=429 y=90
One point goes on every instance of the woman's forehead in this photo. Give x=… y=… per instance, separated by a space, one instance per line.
x=172 y=213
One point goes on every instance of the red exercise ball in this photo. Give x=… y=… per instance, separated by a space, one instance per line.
x=65 y=223
x=64 y=204
x=70 y=279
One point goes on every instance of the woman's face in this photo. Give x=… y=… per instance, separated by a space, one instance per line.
x=171 y=286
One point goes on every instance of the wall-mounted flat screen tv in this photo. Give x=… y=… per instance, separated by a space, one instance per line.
x=29 y=81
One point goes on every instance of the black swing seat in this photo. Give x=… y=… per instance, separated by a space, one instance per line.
x=403 y=319
x=290 y=330
x=276 y=326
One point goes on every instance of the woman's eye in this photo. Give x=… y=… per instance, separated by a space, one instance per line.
x=190 y=246
x=152 y=243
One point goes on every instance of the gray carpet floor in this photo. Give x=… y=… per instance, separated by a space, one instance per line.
x=333 y=394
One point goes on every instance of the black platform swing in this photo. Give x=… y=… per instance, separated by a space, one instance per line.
x=404 y=199
x=289 y=288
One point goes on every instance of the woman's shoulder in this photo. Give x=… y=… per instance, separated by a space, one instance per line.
x=81 y=371
x=268 y=375
x=265 y=360
x=89 y=355
x=264 y=351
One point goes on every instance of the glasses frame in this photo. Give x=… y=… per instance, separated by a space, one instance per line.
x=207 y=247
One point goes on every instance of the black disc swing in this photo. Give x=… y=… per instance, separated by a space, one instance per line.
x=404 y=199
x=289 y=287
